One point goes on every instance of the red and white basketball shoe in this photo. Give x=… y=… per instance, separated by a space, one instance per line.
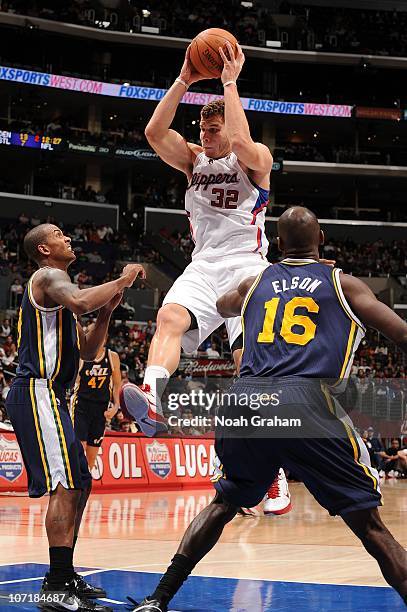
x=141 y=403
x=278 y=498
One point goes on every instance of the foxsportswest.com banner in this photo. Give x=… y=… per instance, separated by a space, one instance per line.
x=136 y=92
x=127 y=462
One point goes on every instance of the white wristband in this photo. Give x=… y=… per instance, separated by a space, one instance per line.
x=229 y=83
x=179 y=80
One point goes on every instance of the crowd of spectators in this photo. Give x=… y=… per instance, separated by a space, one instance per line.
x=370 y=258
x=377 y=359
x=99 y=252
x=366 y=259
x=341 y=154
x=329 y=28
x=391 y=462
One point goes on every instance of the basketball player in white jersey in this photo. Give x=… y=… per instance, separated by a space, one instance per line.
x=226 y=198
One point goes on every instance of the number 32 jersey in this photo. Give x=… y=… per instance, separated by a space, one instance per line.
x=297 y=322
x=226 y=210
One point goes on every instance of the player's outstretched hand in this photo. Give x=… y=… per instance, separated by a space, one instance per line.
x=188 y=72
x=131 y=272
x=232 y=64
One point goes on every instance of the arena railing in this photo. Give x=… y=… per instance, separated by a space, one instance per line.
x=68 y=211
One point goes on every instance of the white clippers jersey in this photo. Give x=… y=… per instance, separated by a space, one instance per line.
x=225 y=209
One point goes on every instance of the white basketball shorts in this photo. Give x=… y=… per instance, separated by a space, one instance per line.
x=199 y=287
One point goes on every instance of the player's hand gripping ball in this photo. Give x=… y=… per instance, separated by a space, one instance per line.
x=204 y=51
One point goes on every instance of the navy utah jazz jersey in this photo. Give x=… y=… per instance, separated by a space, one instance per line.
x=95 y=380
x=296 y=322
x=48 y=341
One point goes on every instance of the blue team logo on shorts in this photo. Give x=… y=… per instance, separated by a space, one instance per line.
x=11 y=461
x=159 y=459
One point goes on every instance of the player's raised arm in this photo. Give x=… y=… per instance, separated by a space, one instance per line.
x=93 y=338
x=372 y=312
x=167 y=143
x=254 y=155
x=56 y=285
x=117 y=383
x=230 y=304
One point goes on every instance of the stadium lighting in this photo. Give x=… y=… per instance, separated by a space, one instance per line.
x=247 y=4
x=146 y=13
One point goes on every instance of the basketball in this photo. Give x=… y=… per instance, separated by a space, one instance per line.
x=204 y=52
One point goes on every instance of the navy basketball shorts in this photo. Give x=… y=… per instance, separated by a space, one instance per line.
x=51 y=451
x=298 y=426
x=89 y=421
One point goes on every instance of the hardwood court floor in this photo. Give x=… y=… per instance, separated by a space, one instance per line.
x=141 y=531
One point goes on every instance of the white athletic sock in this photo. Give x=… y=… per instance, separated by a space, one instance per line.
x=151 y=375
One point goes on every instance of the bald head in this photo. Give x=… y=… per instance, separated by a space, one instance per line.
x=36 y=236
x=299 y=232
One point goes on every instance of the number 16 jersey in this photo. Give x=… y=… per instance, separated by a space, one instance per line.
x=297 y=322
x=226 y=210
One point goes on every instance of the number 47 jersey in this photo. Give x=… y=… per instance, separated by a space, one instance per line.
x=226 y=210
x=297 y=322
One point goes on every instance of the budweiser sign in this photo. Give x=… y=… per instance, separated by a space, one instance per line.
x=207 y=367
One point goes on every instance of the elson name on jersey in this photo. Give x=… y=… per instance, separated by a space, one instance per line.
x=306 y=283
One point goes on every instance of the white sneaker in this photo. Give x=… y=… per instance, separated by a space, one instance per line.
x=390 y=474
x=382 y=473
x=141 y=403
x=278 y=499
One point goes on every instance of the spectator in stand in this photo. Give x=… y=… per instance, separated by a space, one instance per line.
x=82 y=278
x=100 y=197
x=78 y=233
x=117 y=420
x=376 y=445
x=362 y=382
x=23 y=219
x=137 y=334
x=9 y=346
x=390 y=459
x=4 y=420
x=16 y=293
x=94 y=257
x=104 y=232
x=35 y=220
x=54 y=126
x=125 y=249
x=149 y=330
x=5 y=328
x=5 y=387
x=4 y=252
x=212 y=351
